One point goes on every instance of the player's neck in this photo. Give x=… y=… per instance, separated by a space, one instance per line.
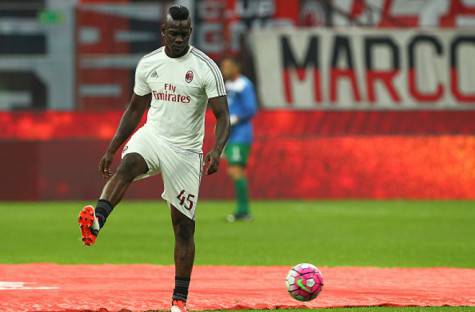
x=169 y=53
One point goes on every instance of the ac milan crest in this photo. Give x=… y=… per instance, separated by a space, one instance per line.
x=189 y=76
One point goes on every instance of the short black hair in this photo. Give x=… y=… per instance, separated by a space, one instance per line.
x=233 y=59
x=179 y=12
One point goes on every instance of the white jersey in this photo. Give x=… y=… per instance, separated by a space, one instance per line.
x=180 y=89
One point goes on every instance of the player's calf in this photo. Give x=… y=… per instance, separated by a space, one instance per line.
x=184 y=229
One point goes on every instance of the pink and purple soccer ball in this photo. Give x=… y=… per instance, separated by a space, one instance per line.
x=304 y=282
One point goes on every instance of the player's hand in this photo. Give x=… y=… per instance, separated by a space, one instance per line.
x=212 y=162
x=104 y=165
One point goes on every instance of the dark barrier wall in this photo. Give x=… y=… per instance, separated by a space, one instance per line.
x=295 y=155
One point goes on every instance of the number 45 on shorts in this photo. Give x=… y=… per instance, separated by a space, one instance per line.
x=186 y=201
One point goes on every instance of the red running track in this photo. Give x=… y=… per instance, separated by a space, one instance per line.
x=51 y=287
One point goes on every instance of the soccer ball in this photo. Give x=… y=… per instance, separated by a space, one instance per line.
x=304 y=282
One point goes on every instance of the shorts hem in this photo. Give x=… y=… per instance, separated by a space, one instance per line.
x=149 y=173
x=178 y=207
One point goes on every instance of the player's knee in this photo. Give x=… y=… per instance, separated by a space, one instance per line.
x=130 y=168
x=184 y=231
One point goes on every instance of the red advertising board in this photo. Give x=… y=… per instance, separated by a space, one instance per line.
x=307 y=155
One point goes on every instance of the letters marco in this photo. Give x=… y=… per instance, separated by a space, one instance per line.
x=350 y=55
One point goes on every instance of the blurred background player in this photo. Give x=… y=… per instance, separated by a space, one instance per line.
x=242 y=108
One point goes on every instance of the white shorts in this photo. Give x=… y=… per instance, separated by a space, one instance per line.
x=181 y=169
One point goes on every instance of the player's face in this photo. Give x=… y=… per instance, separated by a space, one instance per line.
x=228 y=68
x=176 y=36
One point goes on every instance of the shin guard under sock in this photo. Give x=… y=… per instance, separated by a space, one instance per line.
x=103 y=209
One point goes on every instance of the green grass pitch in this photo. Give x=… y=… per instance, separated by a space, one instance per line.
x=326 y=233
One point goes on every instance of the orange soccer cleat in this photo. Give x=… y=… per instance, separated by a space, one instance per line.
x=89 y=225
x=178 y=306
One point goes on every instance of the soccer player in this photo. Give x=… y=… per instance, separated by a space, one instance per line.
x=178 y=81
x=242 y=108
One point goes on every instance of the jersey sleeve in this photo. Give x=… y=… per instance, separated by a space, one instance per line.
x=213 y=81
x=141 y=86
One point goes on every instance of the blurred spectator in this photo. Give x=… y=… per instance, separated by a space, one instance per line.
x=242 y=108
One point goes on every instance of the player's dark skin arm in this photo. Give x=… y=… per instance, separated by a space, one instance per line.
x=128 y=123
x=219 y=106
